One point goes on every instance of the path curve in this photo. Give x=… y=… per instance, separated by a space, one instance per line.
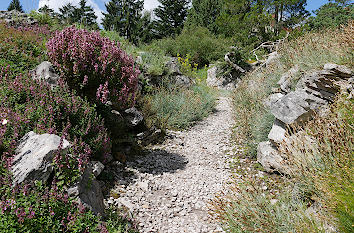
x=168 y=189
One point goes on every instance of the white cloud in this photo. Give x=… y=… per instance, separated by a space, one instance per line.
x=150 y=4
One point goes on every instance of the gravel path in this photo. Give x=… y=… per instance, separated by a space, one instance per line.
x=168 y=189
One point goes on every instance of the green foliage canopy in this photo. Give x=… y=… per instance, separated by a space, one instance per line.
x=171 y=16
x=125 y=17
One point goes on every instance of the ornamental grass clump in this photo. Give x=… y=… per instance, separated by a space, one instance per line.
x=94 y=66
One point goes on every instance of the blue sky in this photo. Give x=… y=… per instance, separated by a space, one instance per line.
x=98 y=5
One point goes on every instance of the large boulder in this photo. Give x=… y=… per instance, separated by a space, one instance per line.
x=296 y=107
x=270 y=158
x=87 y=190
x=45 y=72
x=325 y=84
x=34 y=157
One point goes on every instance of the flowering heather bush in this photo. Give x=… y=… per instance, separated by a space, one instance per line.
x=94 y=66
x=22 y=48
x=34 y=208
x=29 y=105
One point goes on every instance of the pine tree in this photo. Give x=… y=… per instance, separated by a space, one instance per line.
x=67 y=13
x=171 y=16
x=82 y=14
x=15 y=5
x=204 y=13
x=245 y=21
x=47 y=11
x=287 y=13
x=86 y=15
x=124 y=16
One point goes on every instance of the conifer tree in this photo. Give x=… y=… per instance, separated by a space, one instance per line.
x=47 y=11
x=124 y=16
x=82 y=14
x=15 y=5
x=86 y=15
x=204 y=13
x=171 y=16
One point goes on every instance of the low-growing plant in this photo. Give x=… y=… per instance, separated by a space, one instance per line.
x=37 y=208
x=246 y=207
x=29 y=105
x=94 y=66
x=180 y=107
x=22 y=48
x=322 y=157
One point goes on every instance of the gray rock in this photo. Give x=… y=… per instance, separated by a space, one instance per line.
x=173 y=65
x=45 y=72
x=285 y=80
x=216 y=78
x=87 y=191
x=271 y=160
x=296 y=107
x=97 y=167
x=182 y=80
x=272 y=99
x=133 y=117
x=277 y=133
x=17 y=19
x=34 y=157
x=339 y=70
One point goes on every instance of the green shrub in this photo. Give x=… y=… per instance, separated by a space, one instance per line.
x=35 y=208
x=199 y=42
x=180 y=107
x=22 y=48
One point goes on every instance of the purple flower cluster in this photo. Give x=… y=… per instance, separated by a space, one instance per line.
x=29 y=105
x=94 y=66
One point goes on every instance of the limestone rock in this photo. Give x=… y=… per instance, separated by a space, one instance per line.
x=271 y=58
x=45 y=71
x=133 y=117
x=34 y=157
x=339 y=70
x=277 y=133
x=17 y=19
x=88 y=192
x=296 y=107
x=271 y=160
x=182 y=80
x=285 y=80
x=325 y=84
x=97 y=167
x=272 y=99
x=172 y=66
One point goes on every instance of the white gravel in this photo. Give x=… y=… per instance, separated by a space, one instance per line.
x=168 y=189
